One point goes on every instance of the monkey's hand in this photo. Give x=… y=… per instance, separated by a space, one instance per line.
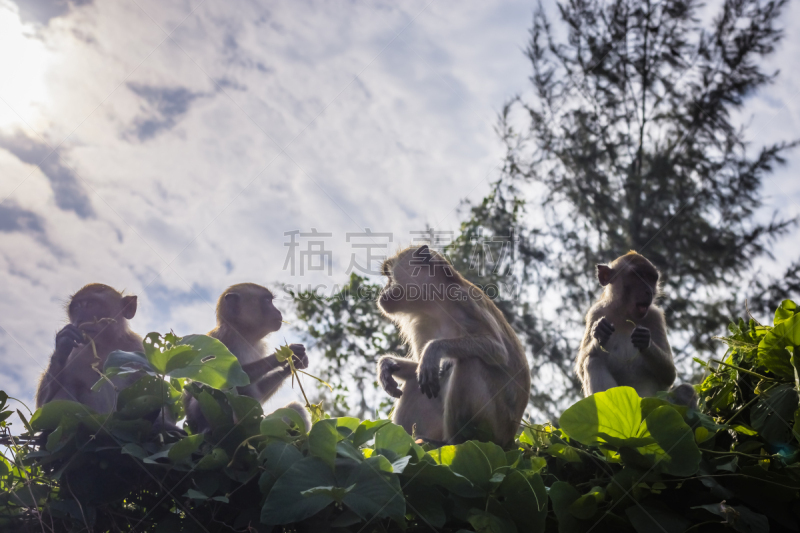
x=387 y=367
x=602 y=330
x=300 y=356
x=428 y=373
x=640 y=337
x=68 y=338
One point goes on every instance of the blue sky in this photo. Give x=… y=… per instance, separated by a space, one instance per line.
x=166 y=148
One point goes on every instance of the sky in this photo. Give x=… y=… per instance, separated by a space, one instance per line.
x=171 y=148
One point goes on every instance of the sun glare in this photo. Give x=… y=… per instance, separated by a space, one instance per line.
x=23 y=63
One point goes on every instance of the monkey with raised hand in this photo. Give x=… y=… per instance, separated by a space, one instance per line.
x=100 y=313
x=246 y=314
x=466 y=376
x=625 y=342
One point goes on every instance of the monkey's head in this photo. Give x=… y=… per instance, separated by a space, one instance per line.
x=417 y=278
x=96 y=301
x=631 y=281
x=249 y=309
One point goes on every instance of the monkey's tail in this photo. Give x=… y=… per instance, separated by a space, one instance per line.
x=304 y=414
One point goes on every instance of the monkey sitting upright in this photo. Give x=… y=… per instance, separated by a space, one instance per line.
x=245 y=316
x=467 y=376
x=625 y=342
x=100 y=313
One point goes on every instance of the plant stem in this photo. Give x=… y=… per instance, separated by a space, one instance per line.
x=740 y=369
x=748 y=404
x=716 y=452
x=703 y=524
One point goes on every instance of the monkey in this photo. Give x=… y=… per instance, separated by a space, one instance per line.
x=625 y=342
x=684 y=394
x=466 y=376
x=100 y=313
x=245 y=316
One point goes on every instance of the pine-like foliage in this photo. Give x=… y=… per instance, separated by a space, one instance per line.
x=629 y=141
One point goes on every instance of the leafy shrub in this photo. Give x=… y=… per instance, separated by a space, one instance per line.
x=616 y=462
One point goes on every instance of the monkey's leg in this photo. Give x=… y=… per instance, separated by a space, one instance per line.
x=598 y=376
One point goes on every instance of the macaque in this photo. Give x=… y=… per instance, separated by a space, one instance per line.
x=100 y=313
x=625 y=342
x=245 y=316
x=466 y=376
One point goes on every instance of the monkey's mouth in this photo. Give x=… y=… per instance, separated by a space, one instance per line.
x=642 y=308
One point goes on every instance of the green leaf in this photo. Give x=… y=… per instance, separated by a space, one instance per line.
x=50 y=414
x=772 y=350
x=277 y=458
x=322 y=440
x=585 y=506
x=773 y=415
x=285 y=503
x=345 y=448
x=565 y=452
x=376 y=493
x=485 y=522
x=213 y=365
x=647 y=518
x=614 y=413
x=119 y=362
x=281 y=422
x=427 y=472
x=393 y=437
x=145 y=395
x=216 y=460
x=676 y=438
x=348 y=423
x=427 y=503
x=284 y=353
x=524 y=498
x=184 y=448
x=195 y=495
x=785 y=311
x=214 y=412
x=366 y=430
x=470 y=461
x=562 y=495
x=29 y=496
x=741 y=518
x=335 y=493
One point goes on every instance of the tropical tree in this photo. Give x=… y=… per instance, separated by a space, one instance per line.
x=628 y=142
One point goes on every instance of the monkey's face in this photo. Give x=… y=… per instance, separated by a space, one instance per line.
x=416 y=280
x=89 y=307
x=252 y=310
x=639 y=289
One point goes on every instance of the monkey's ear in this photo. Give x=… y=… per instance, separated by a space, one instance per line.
x=604 y=274
x=129 y=306
x=232 y=301
x=424 y=253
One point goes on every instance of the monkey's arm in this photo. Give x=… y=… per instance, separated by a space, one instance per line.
x=48 y=384
x=489 y=350
x=68 y=338
x=657 y=357
x=268 y=374
x=263 y=389
x=390 y=367
x=261 y=367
